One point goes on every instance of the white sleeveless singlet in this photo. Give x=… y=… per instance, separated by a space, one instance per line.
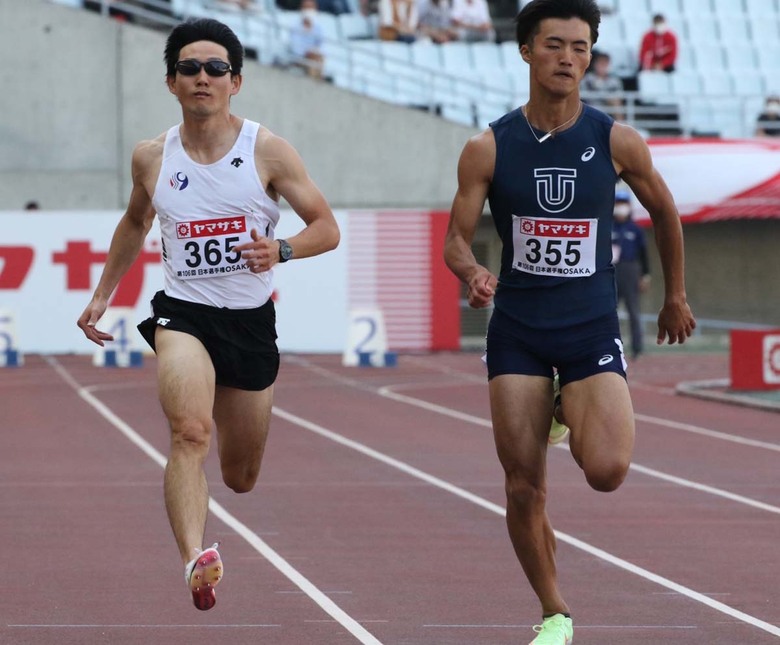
x=205 y=210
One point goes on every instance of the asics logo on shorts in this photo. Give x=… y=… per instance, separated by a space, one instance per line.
x=163 y=321
x=606 y=359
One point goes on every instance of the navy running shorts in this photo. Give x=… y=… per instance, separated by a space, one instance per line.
x=577 y=352
x=240 y=342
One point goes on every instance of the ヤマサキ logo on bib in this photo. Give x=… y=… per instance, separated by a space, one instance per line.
x=555 y=247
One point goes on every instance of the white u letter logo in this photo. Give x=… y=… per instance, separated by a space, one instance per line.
x=555 y=188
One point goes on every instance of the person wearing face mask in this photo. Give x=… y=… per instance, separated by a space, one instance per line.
x=632 y=271
x=306 y=41
x=768 y=123
x=659 y=47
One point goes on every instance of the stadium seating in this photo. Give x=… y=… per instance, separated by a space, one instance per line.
x=486 y=56
x=354 y=25
x=666 y=7
x=729 y=59
x=761 y=7
x=764 y=28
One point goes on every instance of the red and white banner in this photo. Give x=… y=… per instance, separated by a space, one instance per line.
x=716 y=179
x=396 y=265
x=50 y=263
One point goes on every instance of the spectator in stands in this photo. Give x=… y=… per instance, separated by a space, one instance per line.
x=436 y=22
x=32 y=206
x=658 y=50
x=398 y=20
x=632 y=270
x=472 y=20
x=369 y=7
x=306 y=41
x=335 y=7
x=768 y=122
x=601 y=81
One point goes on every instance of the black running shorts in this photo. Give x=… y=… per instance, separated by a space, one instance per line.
x=240 y=342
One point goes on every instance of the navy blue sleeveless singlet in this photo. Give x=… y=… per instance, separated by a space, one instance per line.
x=552 y=205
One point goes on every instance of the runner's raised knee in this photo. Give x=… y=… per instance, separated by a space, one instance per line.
x=240 y=479
x=607 y=476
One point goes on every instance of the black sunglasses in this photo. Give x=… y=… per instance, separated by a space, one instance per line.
x=192 y=67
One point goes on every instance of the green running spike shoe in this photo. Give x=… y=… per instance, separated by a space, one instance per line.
x=558 y=431
x=555 y=630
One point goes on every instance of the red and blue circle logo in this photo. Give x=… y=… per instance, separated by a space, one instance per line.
x=179 y=181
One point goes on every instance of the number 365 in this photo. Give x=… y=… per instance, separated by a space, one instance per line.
x=212 y=252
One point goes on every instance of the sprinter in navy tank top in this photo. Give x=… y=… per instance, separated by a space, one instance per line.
x=548 y=170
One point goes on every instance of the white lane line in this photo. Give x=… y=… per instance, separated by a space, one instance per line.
x=747 y=501
x=687 y=427
x=390 y=393
x=284 y=567
x=387 y=392
x=498 y=510
x=714 y=434
x=579 y=626
x=650 y=472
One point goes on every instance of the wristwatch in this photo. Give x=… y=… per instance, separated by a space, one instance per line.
x=285 y=251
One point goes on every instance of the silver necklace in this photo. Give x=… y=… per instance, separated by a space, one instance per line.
x=550 y=133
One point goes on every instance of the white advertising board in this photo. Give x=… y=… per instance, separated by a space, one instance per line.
x=50 y=262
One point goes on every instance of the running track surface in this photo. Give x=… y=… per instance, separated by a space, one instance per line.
x=378 y=516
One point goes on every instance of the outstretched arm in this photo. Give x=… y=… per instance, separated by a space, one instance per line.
x=126 y=243
x=475 y=171
x=634 y=164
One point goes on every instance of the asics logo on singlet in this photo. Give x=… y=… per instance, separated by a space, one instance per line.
x=179 y=181
x=555 y=188
x=588 y=154
x=606 y=359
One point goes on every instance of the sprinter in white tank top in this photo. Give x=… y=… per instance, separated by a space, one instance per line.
x=215 y=181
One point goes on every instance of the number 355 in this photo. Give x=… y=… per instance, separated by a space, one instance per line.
x=553 y=254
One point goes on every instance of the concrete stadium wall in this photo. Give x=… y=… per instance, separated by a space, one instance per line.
x=80 y=91
x=732 y=271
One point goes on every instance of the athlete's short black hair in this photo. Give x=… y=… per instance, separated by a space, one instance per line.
x=527 y=21
x=194 y=30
